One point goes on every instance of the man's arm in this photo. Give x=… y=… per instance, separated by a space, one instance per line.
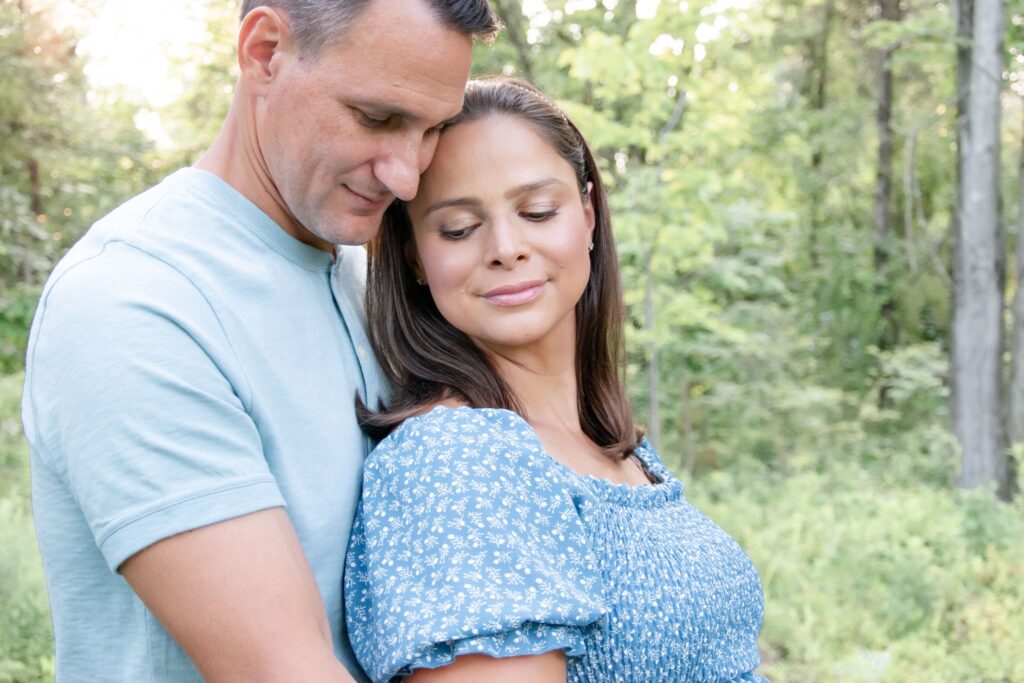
x=240 y=599
x=144 y=413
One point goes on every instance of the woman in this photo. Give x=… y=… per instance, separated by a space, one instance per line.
x=515 y=526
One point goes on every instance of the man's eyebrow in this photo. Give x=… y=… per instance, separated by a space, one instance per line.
x=511 y=194
x=380 y=108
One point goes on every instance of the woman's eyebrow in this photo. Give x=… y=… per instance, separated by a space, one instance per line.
x=530 y=187
x=474 y=202
x=456 y=201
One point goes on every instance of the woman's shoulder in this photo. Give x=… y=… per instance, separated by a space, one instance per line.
x=448 y=434
x=466 y=542
x=441 y=423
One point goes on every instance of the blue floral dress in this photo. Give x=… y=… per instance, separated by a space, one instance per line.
x=471 y=539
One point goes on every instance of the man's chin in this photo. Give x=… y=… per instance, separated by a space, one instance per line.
x=354 y=229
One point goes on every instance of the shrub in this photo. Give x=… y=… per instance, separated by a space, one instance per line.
x=17 y=305
x=866 y=580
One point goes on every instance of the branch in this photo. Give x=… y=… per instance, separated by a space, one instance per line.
x=514 y=31
x=673 y=120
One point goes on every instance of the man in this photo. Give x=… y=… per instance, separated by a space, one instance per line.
x=194 y=358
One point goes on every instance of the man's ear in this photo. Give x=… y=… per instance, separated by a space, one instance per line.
x=264 y=37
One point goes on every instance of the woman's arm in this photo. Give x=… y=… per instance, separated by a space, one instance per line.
x=548 y=667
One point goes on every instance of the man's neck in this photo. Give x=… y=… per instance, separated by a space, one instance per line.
x=235 y=157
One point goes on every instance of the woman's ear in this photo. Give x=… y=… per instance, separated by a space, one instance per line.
x=588 y=211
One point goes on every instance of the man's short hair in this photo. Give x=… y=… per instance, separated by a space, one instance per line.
x=319 y=23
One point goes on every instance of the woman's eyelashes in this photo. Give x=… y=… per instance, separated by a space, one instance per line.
x=460 y=229
x=539 y=215
x=457 y=232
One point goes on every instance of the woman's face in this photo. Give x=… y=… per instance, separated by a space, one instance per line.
x=501 y=235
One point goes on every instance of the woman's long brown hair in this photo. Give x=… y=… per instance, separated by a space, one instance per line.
x=426 y=360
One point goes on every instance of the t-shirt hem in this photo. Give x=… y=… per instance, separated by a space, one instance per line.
x=185 y=514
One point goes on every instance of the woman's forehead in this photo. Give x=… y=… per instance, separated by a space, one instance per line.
x=497 y=153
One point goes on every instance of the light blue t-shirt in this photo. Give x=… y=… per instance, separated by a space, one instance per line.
x=189 y=362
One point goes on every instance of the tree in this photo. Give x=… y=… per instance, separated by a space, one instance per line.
x=1015 y=393
x=890 y=11
x=977 y=335
x=1015 y=389
x=66 y=158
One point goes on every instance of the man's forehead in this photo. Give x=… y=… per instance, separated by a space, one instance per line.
x=391 y=25
x=417 y=88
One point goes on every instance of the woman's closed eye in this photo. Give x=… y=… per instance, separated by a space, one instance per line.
x=458 y=231
x=538 y=215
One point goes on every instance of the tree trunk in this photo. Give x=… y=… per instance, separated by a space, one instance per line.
x=819 y=69
x=512 y=18
x=909 y=195
x=35 y=188
x=1015 y=395
x=29 y=243
x=978 y=281
x=890 y=10
x=963 y=17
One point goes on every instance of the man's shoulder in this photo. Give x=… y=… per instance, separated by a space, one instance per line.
x=126 y=225
x=181 y=228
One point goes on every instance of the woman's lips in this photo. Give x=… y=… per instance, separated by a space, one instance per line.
x=516 y=294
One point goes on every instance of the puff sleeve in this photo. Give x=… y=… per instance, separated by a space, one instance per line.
x=467 y=540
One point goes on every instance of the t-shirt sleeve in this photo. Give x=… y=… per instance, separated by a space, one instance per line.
x=135 y=400
x=465 y=542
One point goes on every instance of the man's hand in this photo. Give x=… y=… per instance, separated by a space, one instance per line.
x=241 y=600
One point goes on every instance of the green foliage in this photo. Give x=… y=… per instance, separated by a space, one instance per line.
x=210 y=70
x=874 y=580
x=26 y=640
x=13 y=449
x=65 y=157
x=738 y=143
x=17 y=304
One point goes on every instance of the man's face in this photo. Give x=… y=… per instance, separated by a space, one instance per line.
x=345 y=132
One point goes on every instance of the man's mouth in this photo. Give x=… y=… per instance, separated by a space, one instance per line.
x=370 y=201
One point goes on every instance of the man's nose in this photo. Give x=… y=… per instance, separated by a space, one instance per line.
x=403 y=161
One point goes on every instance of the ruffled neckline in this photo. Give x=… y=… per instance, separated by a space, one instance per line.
x=667 y=489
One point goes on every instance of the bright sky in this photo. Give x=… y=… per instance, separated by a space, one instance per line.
x=129 y=44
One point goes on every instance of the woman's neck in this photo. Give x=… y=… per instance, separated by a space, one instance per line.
x=546 y=391
x=542 y=376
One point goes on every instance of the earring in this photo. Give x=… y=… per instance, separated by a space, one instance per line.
x=420 y=281
x=591 y=247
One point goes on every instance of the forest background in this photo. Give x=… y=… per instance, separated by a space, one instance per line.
x=784 y=183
